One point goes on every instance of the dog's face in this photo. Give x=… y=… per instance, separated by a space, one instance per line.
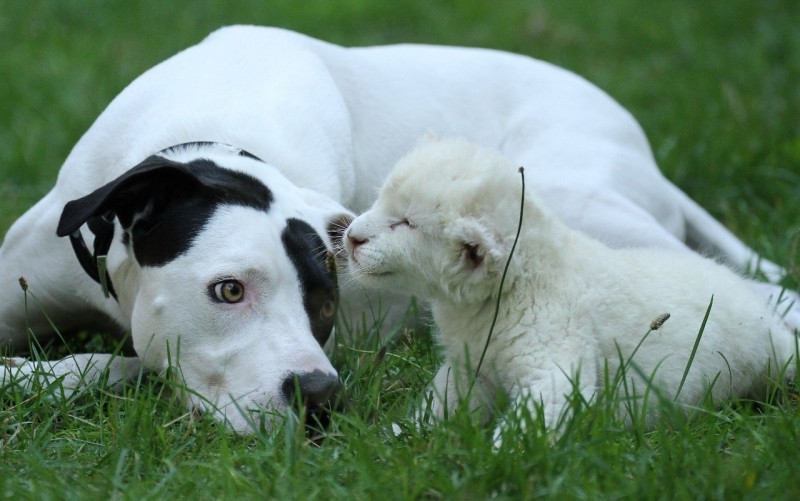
x=228 y=277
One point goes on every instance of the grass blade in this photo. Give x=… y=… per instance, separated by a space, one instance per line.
x=694 y=348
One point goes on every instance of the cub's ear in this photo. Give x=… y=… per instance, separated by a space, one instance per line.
x=481 y=248
x=126 y=195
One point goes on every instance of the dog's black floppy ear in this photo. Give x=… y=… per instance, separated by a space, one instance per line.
x=162 y=205
x=119 y=198
x=124 y=195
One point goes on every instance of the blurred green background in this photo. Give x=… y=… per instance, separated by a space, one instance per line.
x=716 y=85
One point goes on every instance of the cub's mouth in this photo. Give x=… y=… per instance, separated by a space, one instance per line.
x=380 y=273
x=371 y=272
x=369 y=269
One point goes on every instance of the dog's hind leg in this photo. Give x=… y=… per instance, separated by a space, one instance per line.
x=620 y=223
x=708 y=236
x=784 y=302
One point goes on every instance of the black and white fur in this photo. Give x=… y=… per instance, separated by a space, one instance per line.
x=229 y=166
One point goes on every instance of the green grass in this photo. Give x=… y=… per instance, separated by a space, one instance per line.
x=716 y=85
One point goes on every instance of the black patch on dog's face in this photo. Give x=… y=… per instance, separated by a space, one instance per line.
x=317 y=277
x=163 y=205
x=178 y=214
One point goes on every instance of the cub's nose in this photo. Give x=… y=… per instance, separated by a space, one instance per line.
x=318 y=391
x=353 y=241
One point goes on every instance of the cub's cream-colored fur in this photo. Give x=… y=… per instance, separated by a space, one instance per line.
x=442 y=229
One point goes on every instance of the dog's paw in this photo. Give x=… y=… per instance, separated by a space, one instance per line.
x=12 y=362
x=787 y=305
x=783 y=302
x=72 y=373
x=15 y=370
x=11 y=368
x=772 y=272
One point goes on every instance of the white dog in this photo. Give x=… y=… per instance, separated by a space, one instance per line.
x=202 y=203
x=442 y=229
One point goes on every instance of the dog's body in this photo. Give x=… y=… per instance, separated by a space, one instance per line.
x=314 y=128
x=443 y=228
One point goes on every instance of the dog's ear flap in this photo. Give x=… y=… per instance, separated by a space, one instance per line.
x=337 y=225
x=337 y=218
x=124 y=195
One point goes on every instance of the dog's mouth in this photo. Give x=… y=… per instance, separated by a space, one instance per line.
x=317 y=420
x=314 y=397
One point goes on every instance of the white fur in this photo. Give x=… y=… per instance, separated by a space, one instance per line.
x=442 y=228
x=328 y=123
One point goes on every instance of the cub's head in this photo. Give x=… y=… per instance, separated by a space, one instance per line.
x=442 y=226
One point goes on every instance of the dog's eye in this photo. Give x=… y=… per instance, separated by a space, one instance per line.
x=229 y=291
x=328 y=310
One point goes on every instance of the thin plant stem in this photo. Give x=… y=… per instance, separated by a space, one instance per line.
x=502 y=282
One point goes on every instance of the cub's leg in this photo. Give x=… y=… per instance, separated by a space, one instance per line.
x=550 y=387
x=450 y=388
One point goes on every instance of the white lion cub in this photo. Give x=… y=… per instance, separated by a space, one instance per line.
x=442 y=229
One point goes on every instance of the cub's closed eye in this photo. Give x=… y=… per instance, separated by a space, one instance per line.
x=228 y=291
x=402 y=222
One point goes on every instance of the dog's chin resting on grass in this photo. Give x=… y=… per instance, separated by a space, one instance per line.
x=571 y=308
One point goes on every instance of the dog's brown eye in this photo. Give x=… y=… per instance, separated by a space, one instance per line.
x=229 y=291
x=328 y=310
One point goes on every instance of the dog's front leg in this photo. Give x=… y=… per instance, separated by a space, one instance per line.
x=70 y=374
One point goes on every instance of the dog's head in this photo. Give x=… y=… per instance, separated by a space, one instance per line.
x=226 y=271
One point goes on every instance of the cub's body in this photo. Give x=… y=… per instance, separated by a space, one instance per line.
x=571 y=307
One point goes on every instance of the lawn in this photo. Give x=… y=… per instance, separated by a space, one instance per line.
x=716 y=86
